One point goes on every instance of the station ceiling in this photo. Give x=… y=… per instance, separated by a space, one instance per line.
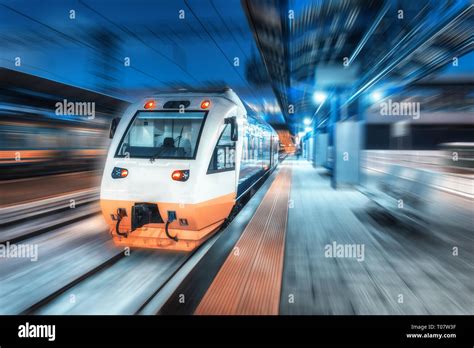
x=351 y=47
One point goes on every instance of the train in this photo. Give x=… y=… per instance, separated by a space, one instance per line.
x=177 y=165
x=31 y=148
x=36 y=141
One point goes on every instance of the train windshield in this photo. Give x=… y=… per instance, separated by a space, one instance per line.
x=162 y=134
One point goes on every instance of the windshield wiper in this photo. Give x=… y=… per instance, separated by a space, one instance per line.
x=155 y=156
x=180 y=136
x=178 y=139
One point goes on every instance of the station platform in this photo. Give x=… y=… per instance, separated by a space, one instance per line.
x=311 y=249
x=400 y=270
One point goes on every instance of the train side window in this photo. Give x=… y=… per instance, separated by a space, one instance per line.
x=223 y=157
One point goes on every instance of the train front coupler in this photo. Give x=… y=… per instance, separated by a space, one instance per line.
x=121 y=213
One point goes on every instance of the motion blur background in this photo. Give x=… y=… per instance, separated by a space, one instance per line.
x=112 y=53
x=318 y=71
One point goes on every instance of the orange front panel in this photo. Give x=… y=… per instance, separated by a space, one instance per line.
x=155 y=238
x=203 y=219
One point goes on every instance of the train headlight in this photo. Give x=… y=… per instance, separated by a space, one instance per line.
x=118 y=173
x=205 y=104
x=180 y=175
x=150 y=104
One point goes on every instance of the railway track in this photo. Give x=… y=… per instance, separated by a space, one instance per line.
x=24 y=221
x=147 y=305
x=60 y=231
x=15 y=213
x=48 y=299
x=60 y=217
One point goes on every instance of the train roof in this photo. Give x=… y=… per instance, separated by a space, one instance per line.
x=224 y=92
x=211 y=90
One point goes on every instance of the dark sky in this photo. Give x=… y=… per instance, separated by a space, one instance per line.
x=164 y=50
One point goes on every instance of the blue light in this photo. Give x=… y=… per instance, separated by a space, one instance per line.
x=376 y=96
x=319 y=97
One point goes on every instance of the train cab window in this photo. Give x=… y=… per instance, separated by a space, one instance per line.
x=223 y=157
x=162 y=134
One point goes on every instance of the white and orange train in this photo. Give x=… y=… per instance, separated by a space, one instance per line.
x=177 y=165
